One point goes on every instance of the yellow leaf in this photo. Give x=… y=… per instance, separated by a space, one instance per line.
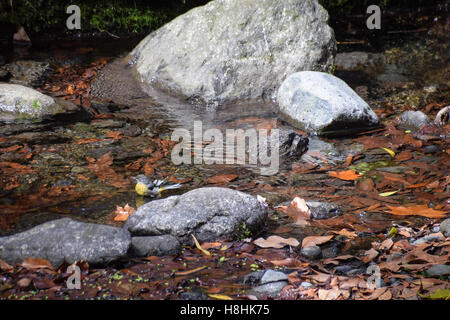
x=387 y=194
x=392 y=153
x=199 y=247
x=220 y=296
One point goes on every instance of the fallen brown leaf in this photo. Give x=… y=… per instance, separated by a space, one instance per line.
x=276 y=242
x=315 y=240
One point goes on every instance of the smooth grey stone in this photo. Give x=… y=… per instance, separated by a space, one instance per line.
x=311 y=252
x=438 y=270
x=319 y=103
x=413 y=120
x=273 y=276
x=271 y=289
x=208 y=213
x=67 y=240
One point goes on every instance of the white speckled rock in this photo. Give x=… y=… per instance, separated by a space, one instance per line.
x=207 y=213
x=229 y=50
x=20 y=103
x=318 y=102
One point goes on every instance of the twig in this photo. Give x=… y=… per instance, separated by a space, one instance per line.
x=111 y=34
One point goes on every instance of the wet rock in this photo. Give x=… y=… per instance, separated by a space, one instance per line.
x=445 y=227
x=23 y=104
x=343 y=269
x=292 y=143
x=41 y=137
x=28 y=73
x=432 y=149
x=108 y=123
x=2 y=61
x=66 y=240
x=193 y=295
x=330 y=252
x=4 y=75
x=357 y=60
x=131 y=131
x=271 y=289
x=244 y=52
x=413 y=120
x=311 y=252
x=305 y=284
x=269 y=282
x=272 y=276
x=254 y=277
x=323 y=210
x=208 y=213
x=438 y=270
x=392 y=77
x=318 y=102
x=155 y=246
x=426 y=239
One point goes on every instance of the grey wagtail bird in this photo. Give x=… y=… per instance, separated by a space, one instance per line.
x=145 y=187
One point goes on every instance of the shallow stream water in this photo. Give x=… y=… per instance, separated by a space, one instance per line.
x=59 y=161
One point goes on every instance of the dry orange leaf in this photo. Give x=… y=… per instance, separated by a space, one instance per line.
x=116 y=135
x=36 y=263
x=348 y=175
x=221 y=178
x=315 y=240
x=122 y=214
x=346 y=233
x=418 y=210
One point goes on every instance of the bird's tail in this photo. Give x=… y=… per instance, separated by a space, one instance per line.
x=172 y=186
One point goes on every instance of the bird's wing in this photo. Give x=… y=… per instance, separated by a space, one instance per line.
x=158 y=183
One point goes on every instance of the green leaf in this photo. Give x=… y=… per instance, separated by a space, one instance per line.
x=441 y=294
x=392 y=232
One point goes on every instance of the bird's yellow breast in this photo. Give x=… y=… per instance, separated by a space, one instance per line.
x=142 y=189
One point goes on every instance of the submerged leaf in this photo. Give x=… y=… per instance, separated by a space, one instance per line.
x=276 y=242
x=348 y=175
x=199 y=247
x=419 y=210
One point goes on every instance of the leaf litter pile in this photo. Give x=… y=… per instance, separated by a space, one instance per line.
x=393 y=193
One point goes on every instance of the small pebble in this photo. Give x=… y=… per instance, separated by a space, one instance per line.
x=311 y=252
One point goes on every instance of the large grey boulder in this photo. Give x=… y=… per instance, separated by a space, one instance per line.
x=231 y=50
x=66 y=240
x=318 y=102
x=207 y=213
x=22 y=104
x=155 y=246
